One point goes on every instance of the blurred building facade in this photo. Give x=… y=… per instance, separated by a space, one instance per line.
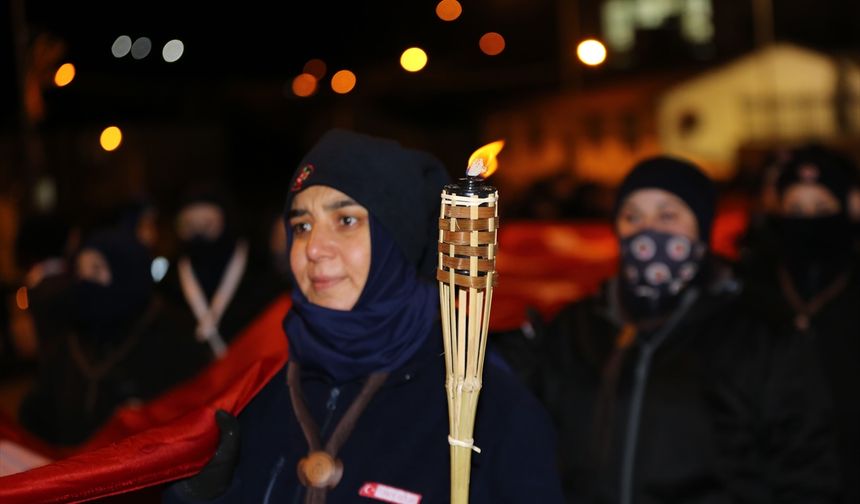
x=695 y=78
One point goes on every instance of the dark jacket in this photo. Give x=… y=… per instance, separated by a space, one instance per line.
x=834 y=333
x=81 y=381
x=713 y=407
x=258 y=288
x=400 y=440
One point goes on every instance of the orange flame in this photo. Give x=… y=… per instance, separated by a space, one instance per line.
x=483 y=161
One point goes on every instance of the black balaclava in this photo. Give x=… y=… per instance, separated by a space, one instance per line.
x=104 y=313
x=209 y=258
x=657 y=267
x=816 y=250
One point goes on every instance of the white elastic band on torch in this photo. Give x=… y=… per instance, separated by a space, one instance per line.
x=470 y=444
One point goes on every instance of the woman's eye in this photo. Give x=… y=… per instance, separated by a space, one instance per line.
x=668 y=217
x=348 y=220
x=301 y=227
x=631 y=218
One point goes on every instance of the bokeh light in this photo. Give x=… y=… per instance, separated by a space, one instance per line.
x=413 y=59
x=591 y=52
x=304 y=85
x=173 y=50
x=121 y=46
x=110 y=138
x=141 y=48
x=449 y=10
x=492 y=44
x=343 y=82
x=315 y=67
x=65 y=75
x=159 y=268
x=22 y=299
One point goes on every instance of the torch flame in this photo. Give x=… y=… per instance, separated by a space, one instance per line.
x=483 y=161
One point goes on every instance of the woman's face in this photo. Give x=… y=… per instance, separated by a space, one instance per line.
x=808 y=201
x=657 y=210
x=205 y=220
x=330 y=254
x=92 y=266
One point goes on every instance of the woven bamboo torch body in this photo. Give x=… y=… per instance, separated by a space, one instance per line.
x=468 y=227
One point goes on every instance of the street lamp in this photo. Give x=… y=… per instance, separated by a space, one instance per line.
x=592 y=52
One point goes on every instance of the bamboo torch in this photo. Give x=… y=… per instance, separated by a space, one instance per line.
x=468 y=223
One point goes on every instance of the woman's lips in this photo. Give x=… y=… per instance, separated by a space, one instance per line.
x=323 y=283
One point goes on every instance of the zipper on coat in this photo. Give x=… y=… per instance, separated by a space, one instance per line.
x=330 y=407
x=643 y=365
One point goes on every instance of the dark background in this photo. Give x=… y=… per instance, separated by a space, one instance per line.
x=225 y=109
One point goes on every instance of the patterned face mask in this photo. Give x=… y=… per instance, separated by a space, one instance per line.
x=655 y=269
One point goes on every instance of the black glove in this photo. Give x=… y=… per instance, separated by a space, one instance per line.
x=215 y=477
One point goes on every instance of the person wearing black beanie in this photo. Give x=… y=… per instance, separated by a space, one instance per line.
x=359 y=412
x=216 y=286
x=808 y=281
x=663 y=216
x=682 y=180
x=114 y=349
x=814 y=229
x=663 y=386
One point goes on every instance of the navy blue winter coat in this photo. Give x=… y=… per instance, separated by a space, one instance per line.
x=400 y=440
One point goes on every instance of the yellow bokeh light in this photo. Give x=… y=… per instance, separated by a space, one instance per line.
x=315 y=67
x=110 y=138
x=304 y=85
x=65 y=75
x=449 y=10
x=492 y=43
x=591 y=52
x=413 y=59
x=343 y=82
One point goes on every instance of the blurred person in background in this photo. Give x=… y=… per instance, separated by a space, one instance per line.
x=549 y=198
x=807 y=280
x=114 y=349
x=43 y=245
x=139 y=217
x=217 y=285
x=664 y=387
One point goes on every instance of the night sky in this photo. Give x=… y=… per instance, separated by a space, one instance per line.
x=225 y=109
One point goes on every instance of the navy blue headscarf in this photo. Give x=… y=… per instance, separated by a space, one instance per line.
x=398 y=307
x=385 y=328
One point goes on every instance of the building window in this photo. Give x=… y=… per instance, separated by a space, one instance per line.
x=620 y=19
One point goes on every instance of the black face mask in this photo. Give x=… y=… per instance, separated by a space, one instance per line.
x=103 y=312
x=815 y=250
x=656 y=268
x=209 y=259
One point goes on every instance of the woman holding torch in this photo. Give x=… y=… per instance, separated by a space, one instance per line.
x=359 y=413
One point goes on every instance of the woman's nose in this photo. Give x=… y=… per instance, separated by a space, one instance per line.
x=319 y=243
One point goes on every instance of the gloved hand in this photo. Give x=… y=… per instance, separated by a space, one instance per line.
x=215 y=477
